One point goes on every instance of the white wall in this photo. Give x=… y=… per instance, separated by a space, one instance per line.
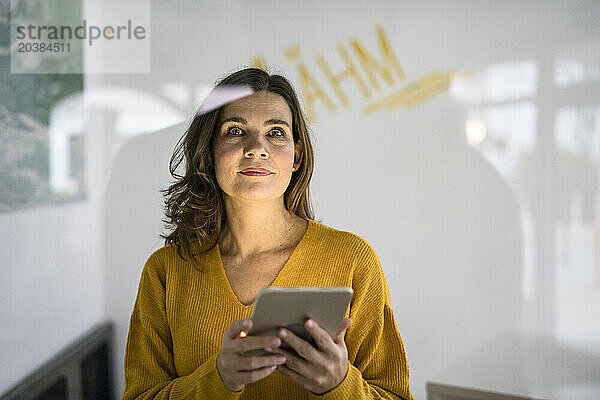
x=52 y=287
x=475 y=239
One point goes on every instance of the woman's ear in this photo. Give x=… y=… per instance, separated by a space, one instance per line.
x=297 y=155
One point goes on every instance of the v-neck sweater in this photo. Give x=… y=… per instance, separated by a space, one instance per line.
x=181 y=313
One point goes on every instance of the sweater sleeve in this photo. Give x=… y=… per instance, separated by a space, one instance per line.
x=150 y=371
x=379 y=369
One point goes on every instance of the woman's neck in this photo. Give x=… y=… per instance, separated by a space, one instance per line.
x=255 y=227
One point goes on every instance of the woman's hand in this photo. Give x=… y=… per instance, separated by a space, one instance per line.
x=236 y=368
x=316 y=369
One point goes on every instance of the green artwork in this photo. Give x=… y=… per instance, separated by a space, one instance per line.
x=26 y=105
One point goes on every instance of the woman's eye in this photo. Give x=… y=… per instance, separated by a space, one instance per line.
x=277 y=132
x=235 y=131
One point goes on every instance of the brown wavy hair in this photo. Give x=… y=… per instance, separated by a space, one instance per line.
x=194 y=206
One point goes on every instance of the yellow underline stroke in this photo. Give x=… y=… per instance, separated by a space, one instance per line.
x=397 y=97
x=391 y=100
x=381 y=103
x=414 y=93
x=432 y=89
x=415 y=88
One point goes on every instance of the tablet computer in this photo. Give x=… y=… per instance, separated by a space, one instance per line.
x=290 y=307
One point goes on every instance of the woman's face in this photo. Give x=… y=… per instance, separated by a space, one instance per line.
x=255 y=132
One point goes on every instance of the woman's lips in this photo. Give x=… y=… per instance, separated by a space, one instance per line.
x=255 y=172
x=252 y=173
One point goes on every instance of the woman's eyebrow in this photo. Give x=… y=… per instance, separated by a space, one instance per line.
x=235 y=119
x=276 y=122
x=272 y=121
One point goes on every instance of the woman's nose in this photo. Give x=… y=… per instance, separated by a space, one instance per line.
x=259 y=154
x=255 y=148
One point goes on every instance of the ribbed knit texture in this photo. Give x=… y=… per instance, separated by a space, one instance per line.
x=180 y=316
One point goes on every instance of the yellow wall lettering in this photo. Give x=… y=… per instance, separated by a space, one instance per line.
x=387 y=67
x=311 y=90
x=390 y=63
x=350 y=71
x=259 y=62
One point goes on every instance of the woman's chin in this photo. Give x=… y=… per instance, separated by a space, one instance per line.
x=255 y=192
x=255 y=195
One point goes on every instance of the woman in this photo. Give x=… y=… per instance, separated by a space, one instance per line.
x=243 y=221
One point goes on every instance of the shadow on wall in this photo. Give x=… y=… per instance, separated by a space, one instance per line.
x=133 y=214
x=459 y=236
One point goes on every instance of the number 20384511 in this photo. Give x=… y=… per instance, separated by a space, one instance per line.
x=44 y=47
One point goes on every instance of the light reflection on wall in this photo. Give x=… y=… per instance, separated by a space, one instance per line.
x=501 y=113
x=134 y=112
x=497 y=83
x=576 y=73
x=476 y=131
x=570 y=72
x=577 y=64
x=500 y=97
x=511 y=134
x=577 y=229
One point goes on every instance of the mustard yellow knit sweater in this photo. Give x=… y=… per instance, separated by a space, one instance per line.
x=181 y=313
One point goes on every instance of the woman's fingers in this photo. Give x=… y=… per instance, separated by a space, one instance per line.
x=258 y=362
x=255 y=375
x=339 y=338
x=235 y=338
x=238 y=362
x=236 y=327
x=235 y=368
x=238 y=365
x=320 y=335
x=293 y=375
x=249 y=343
x=294 y=362
x=239 y=379
x=301 y=346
